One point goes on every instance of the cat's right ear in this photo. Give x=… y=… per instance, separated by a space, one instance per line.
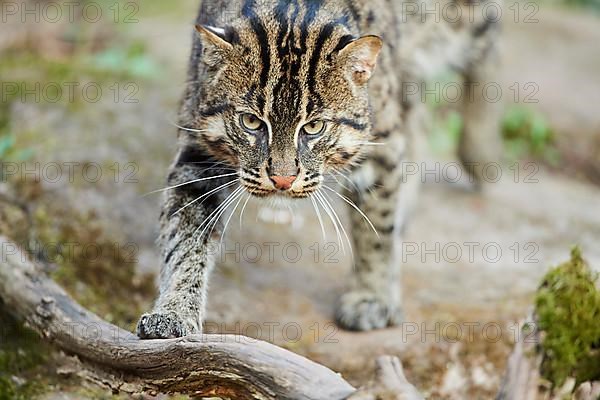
x=214 y=42
x=360 y=57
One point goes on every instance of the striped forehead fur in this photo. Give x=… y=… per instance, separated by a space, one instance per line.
x=279 y=60
x=293 y=41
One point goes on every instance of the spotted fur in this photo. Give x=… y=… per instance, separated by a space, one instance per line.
x=293 y=63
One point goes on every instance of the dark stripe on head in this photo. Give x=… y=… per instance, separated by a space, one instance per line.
x=312 y=8
x=263 y=41
x=351 y=123
x=250 y=95
x=287 y=86
x=281 y=11
x=214 y=110
x=324 y=34
x=288 y=54
x=265 y=55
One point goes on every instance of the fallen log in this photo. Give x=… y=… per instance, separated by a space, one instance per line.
x=205 y=365
x=522 y=378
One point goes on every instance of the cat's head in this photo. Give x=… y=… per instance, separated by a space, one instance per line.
x=285 y=106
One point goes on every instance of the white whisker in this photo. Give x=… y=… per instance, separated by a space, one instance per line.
x=190 y=182
x=339 y=183
x=239 y=199
x=186 y=129
x=320 y=218
x=239 y=193
x=351 y=203
x=321 y=199
x=212 y=163
x=209 y=218
x=212 y=168
x=339 y=173
x=371 y=144
x=219 y=212
x=339 y=222
x=244 y=209
x=222 y=187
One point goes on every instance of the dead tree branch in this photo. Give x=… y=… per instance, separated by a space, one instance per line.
x=207 y=365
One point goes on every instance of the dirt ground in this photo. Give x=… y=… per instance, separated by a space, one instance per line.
x=472 y=260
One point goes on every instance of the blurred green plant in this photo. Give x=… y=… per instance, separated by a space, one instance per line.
x=527 y=133
x=446 y=129
x=568 y=308
x=587 y=4
x=10 y=152
x=132 y=61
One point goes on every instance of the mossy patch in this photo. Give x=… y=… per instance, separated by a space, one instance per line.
x=99 y=271
x=22 y=356
x=568 y=308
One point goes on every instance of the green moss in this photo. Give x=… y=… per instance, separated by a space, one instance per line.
x=97 y=270
x=22 y=355
x=568 y=308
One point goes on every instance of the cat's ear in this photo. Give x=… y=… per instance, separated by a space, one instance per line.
x=360 y=57
x=215 y=43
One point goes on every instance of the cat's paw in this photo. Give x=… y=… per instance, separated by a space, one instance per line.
x=363 y=310
x=161 y=326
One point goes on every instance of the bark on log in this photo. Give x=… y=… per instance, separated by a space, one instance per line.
x=207 y=365
x=389 y=384
x=522 y=377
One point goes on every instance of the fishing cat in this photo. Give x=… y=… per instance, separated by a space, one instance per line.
x=281 y=93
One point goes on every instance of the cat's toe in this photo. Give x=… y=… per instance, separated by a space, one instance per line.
x=365 y=311
x=160 y=326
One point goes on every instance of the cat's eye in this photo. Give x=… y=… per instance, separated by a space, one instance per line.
x=314 y=128
x=251 y=122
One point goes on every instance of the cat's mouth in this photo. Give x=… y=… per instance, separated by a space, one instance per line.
x=286 y=194
x=289 y=193
x=289 y=187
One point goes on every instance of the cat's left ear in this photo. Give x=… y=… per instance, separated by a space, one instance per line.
x=214 y=37
x=360 y=56
x=216 y=46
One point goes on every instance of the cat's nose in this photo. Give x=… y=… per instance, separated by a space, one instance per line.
x=283 y=182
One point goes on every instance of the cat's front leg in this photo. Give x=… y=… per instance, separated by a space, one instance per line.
x=373 y=300
x=187 y=264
